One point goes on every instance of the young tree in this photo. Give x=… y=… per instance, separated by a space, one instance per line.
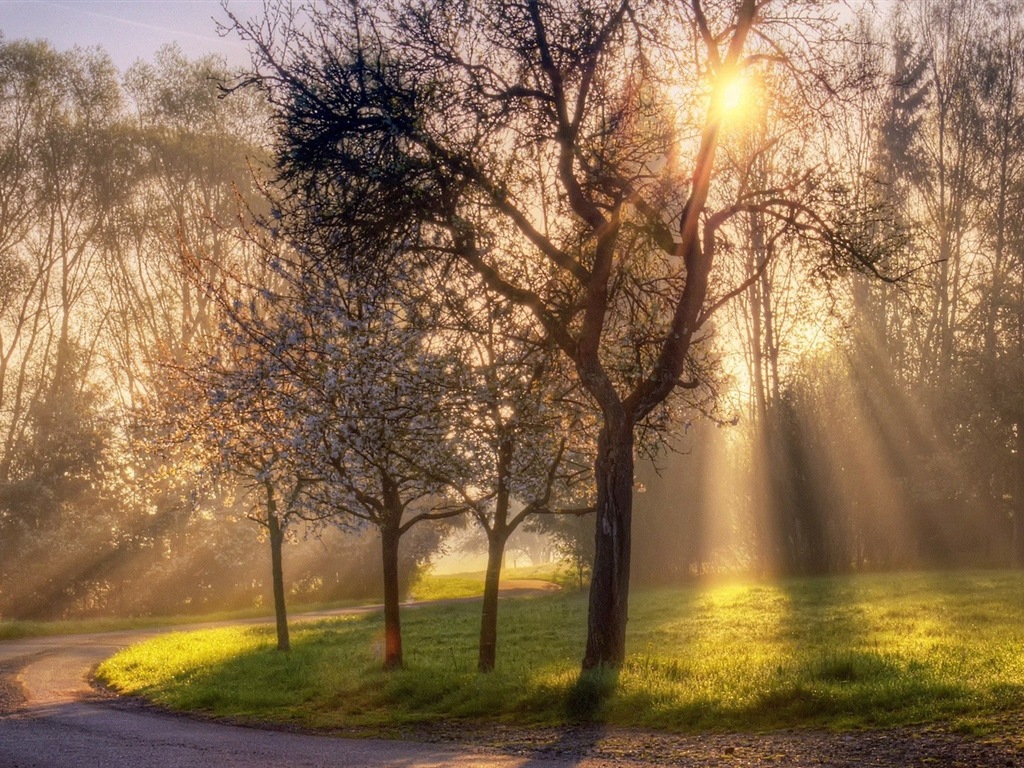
x=519 y=439
x=565 y=152
x=245 y=420
x=365 y=400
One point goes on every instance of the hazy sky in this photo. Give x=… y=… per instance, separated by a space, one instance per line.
x=127 y=29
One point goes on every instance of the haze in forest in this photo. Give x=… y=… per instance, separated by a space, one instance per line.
x=167 y=368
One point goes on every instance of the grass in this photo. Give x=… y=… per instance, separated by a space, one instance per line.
x=841 y=653
x=431 y=586
x=426 y=587
x=12 y=630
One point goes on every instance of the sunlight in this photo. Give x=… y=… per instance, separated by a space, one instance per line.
x=733 y=95
x=734 y=99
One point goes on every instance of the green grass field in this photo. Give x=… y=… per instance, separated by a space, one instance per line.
x=431 y=586
x=11 y=630
x=842 y=653
x=427 y=586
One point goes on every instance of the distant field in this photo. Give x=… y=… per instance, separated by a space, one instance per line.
x=426 y=587
x=429 y=586
x=840 y=653
x=10 y=630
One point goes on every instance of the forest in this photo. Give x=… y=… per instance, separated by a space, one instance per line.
x=228 y=377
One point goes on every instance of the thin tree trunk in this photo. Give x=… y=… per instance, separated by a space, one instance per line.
x=489 y=615
x=276 y=545
x=1017 y=537
x=609 y=586
x=390 y=538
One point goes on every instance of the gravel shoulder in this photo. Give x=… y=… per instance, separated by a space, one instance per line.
x=11 y=694
x=892 y=747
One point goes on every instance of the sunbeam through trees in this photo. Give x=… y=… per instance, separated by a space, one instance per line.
x=683 y=288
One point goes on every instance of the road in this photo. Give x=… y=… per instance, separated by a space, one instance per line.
x=63 y=723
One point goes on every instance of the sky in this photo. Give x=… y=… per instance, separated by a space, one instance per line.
x=127 y=29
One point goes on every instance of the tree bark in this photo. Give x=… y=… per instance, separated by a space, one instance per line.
x=277 y=570
x=609 y=586
x=390 y=537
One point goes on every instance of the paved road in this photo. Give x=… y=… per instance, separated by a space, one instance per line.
x=63 y=724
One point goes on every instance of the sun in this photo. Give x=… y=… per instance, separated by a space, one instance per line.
x=733 y=97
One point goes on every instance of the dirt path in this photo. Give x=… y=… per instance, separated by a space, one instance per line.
x=50 y=717
x=515 y=587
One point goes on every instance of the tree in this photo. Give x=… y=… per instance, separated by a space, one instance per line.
x=364 y=401
x=245 y=393
x=996 y=442
x=547 y=148
x=931 y=352
x=175 y=238
x=62 y=172
x=519 y=439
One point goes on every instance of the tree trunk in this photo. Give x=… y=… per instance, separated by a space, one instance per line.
x=390 y=538
x=489 y=615
x=276 y=538
x=1017 y=534
x=1015 y=538
x=609 y=585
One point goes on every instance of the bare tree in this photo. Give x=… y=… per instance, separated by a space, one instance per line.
x=563 y=151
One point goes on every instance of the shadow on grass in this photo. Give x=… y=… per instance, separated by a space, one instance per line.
x=805 y=652
x=843 y=691
x=586 y=699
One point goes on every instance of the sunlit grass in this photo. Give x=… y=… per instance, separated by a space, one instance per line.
x=837 y=653
x=427 y=586
x=431 y=586
x=10 y=630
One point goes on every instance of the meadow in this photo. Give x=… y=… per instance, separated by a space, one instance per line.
x=447 y=586
x=839 y=653
x=425 y=587
x=15 y=629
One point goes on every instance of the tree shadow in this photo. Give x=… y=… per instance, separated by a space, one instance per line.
x=574 y=746
x=584 y=703
x=589 y=694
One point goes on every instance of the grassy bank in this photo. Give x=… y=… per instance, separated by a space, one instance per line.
x=840 y=653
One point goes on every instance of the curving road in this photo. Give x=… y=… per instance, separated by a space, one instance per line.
x=63 y=723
